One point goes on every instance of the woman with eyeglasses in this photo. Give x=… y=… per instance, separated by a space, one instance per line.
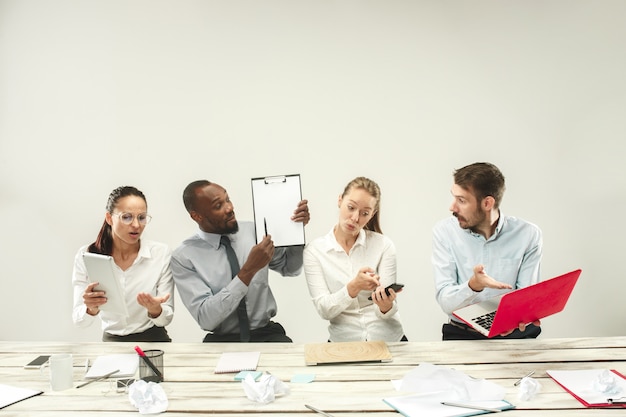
x=142 y=268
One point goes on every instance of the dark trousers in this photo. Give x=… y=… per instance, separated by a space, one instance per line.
x=273 y=332
x=461 y=331
x=153 y=334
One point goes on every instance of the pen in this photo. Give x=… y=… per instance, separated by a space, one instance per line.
x=265 y=225
x=473 y=407
x=519 y=381
x=149 y=363
x=317 y=410
x=98 y=379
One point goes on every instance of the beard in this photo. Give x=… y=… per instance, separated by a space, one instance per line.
x=230 y=230
x=474 y=220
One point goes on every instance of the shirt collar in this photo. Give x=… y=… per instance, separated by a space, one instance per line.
x=499 y=226
x=144 y=251
x=332 y=243
x=212 y=239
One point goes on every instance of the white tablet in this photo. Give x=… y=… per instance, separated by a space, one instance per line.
x=100 y=269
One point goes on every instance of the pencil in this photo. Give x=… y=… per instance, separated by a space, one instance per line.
x=98 y=379
x=317 y=410
x=472 y=406
x=519 y=381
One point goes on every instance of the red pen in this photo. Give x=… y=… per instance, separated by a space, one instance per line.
x=149 y=363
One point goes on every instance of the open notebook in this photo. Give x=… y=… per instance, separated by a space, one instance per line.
x=11 y=395
x=420 y=405
x=127 y=363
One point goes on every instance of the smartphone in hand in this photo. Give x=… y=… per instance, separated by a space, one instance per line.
x=394 y=286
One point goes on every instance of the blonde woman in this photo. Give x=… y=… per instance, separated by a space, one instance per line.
x=348 y=269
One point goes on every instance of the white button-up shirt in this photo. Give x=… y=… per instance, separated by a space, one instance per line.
x=328 y=268
x=149 y=273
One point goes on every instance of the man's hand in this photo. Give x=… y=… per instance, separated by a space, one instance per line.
x=301 y=214
x=480 y=280
x=260 y=255
x=521 y=327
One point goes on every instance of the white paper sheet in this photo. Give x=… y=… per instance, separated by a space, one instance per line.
x=581 y=384
x=10 y=394
x=127 y=363
x=237 y=361
x=275 y=199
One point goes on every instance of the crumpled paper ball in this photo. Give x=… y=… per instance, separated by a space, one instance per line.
x=148 y=397
x=265 y=390
x=528 y=388
x=606 y=383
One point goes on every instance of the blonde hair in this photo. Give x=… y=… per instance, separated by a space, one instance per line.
x=374 y=190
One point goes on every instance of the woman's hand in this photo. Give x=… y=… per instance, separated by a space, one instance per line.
x=93 y=299
x=382 y=300
x=366 y=280
x=152 y=304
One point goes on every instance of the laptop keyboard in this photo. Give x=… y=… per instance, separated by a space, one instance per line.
x=486 y=320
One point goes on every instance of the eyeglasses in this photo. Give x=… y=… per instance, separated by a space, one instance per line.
x=127 y=218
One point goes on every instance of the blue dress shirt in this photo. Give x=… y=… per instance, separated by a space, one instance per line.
x=511 y=255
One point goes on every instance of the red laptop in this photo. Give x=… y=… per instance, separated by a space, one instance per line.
x=504 y=312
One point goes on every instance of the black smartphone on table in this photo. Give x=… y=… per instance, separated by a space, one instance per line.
x=394 y=286
x=37 y=362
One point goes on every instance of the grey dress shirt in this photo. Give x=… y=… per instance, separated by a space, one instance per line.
x=203 y=279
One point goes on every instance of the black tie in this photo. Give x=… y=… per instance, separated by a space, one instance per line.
x=244 y=325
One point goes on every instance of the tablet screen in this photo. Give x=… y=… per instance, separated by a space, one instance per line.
x=101 y=269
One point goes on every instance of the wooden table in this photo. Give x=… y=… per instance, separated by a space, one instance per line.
x=343 y=390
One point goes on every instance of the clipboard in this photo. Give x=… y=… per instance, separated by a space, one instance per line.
x=579 y=383
x=274 y=200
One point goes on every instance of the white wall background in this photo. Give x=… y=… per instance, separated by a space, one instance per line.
x=155 y=94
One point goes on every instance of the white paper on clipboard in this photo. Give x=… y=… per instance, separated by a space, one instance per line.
x=274 y=200
x=100 y=269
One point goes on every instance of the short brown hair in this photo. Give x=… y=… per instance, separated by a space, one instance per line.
x=483 y=180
